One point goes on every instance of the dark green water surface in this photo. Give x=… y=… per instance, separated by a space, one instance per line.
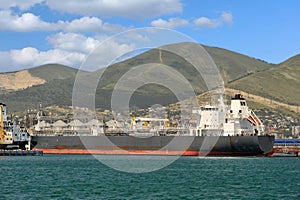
x=84 y=177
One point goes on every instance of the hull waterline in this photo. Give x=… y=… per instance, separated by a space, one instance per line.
x=156 y=145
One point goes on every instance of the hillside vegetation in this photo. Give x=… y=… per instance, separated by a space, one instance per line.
x=52 y=72
x=242 y=73
x=233 y=65
x=280 y=83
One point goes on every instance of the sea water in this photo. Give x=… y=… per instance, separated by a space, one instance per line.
x=84 y=177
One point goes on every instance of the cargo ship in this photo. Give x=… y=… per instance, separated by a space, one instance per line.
x=221 y=130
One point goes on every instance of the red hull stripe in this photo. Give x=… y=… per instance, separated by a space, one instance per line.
x=141 y=152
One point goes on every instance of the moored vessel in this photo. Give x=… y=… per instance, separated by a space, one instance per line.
x=11 y=135
x=221 y=130
x=14 y=141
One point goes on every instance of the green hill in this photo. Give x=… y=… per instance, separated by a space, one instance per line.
x=280 y=83
x=58 y=92
x=233 y=65
x=56 y=89
x=52 y=72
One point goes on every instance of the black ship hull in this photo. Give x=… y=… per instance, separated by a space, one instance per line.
x=156 y=145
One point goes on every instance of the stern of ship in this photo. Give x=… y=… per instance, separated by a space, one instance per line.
x=266 y=143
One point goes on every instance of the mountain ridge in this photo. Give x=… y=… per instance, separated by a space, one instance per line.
x=279 y=83
x=240 y=72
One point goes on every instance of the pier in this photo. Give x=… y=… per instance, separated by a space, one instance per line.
x=18 y=152
x=286 y=147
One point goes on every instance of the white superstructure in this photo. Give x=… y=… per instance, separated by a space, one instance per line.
x=233 y=120
x=11 y=135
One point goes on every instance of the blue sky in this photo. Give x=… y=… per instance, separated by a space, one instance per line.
x=36 y=32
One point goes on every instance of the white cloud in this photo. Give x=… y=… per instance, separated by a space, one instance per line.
x=28 y=22
x=135 y=37
x=204 y=22
x=73 y=42
x=6 y=62
x=25 y=56
x=89 y=24
x=171 y=23
x=227 y=17
x=106 y=53
x=140 y=9
x=81 y=25
x=208 y=23
x=24 y=23
x=22 y=5
x=31 y=57
x=69 y=49
x=101 y=53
